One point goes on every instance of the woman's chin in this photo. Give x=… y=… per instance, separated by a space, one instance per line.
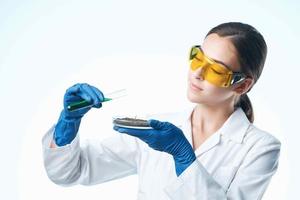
x=193 y=97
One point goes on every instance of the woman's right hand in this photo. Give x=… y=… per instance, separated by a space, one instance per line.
x=79 y=92
x=69 y=121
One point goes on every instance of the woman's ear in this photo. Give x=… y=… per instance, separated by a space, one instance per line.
x=244 y=86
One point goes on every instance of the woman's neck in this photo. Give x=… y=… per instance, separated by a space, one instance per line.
x=206 y=120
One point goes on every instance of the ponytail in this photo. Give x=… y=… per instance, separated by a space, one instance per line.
x=245 y=103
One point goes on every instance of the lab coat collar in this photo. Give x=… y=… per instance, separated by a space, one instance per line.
x=234 y=128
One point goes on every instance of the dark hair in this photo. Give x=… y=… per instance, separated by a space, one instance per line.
x=252 y=51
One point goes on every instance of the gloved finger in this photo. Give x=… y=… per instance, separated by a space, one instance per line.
x=99 y=105
x=99 y=96
x=74 y=89
x=158 y=125
x=88 y=92
x=133 y=132
x=74 y=94
x=85 y=96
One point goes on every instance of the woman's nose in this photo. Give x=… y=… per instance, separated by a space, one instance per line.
x=198 y=73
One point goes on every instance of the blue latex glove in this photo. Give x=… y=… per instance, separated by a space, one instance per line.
x=168 y=138
x=69 y=121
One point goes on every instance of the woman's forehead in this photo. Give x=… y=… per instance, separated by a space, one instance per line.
x=221 y=49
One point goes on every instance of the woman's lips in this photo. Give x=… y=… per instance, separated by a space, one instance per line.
x=196 y=88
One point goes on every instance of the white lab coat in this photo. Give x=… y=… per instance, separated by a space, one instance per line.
x=236 y=162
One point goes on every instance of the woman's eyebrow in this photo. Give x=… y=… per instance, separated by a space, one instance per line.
x=220 y=62
x=217 y=61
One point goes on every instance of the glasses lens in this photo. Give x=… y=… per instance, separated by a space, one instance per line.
x=196 y=58
x=212 y=72
x=193 y=52
x=218 y=79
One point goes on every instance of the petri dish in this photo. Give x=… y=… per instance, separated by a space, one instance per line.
x=128 y=122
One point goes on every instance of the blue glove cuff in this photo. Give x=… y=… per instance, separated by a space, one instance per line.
x=65 y=130
x=184 y=161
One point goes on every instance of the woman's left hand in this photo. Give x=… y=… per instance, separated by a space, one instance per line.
x=165 y=137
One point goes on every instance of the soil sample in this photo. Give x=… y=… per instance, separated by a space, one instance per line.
x=131 y=122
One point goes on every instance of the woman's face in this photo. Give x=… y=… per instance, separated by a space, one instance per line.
x=202 y=92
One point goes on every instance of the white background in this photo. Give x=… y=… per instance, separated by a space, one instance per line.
x=47 y=46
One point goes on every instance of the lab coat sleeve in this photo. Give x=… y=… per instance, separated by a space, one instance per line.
x=250 y=181
x=92 y=161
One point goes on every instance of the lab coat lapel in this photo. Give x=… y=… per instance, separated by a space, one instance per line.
x=234 y=128
x=186 y=124
x=210 y=142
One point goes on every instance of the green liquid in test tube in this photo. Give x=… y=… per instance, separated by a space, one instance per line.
x=85 y=104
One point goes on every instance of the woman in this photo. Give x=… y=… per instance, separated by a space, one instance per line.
x=212 y=151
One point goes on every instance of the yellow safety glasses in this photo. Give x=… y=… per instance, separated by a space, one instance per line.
x=213 y=71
